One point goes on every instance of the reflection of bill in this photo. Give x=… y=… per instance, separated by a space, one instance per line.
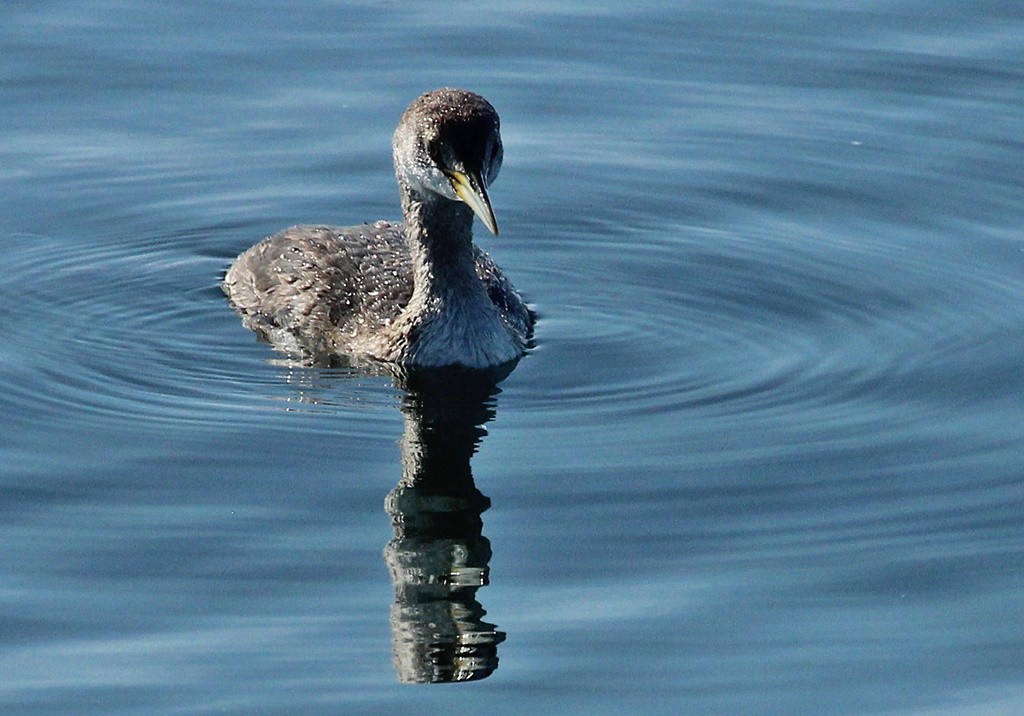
x=439 y=557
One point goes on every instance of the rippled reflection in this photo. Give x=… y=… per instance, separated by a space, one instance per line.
x=439 y=556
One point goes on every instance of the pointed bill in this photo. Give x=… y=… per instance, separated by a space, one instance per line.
x=470 y=188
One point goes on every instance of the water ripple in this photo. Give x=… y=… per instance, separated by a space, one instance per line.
x=774 y=328
x=769 y=330
x=137 y=334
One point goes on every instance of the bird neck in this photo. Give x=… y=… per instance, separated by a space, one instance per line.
x=439 y=233
x=450 y=318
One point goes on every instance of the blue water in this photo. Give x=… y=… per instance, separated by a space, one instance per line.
x=766 y=456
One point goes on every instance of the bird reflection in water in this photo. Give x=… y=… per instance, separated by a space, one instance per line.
x=438 y=557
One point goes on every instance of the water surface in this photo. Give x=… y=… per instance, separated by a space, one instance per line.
x=766 y=456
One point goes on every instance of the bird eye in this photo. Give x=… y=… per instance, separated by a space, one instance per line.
x=443 y=154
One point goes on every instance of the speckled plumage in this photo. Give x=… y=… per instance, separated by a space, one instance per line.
x=416 y=293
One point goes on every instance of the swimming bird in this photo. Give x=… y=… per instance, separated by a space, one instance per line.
x=416 y=293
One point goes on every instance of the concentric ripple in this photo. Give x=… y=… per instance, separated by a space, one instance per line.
x=774 y=332
x=802 y=335
x=136 y=334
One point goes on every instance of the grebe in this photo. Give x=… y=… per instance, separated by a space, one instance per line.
x=415 y=293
